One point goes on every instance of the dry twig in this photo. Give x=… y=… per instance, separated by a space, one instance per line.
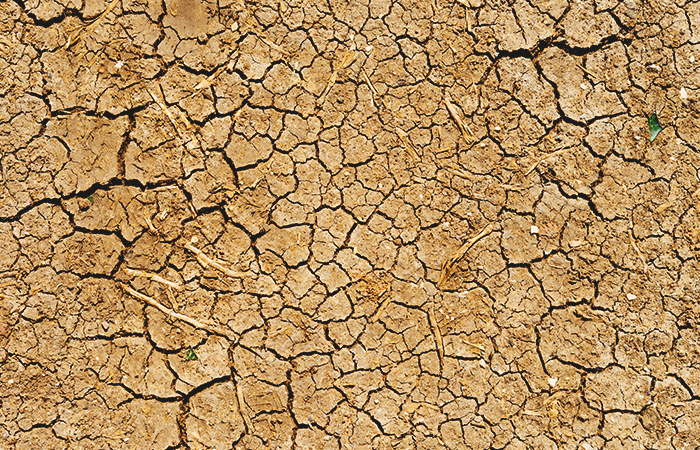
x=175 y=315
x=207 y=261
x=448 y=266
x=663 y=207
x=151 y=228
x=155 y=277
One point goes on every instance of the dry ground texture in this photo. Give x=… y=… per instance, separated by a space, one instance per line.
x=323 y=224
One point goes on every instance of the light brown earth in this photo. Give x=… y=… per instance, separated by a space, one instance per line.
x=290 y=178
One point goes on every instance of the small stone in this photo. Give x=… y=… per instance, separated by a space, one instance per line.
x=552 y=381
x=684 y=93
x=534 y=229
x=631 y=297
x=692 y=59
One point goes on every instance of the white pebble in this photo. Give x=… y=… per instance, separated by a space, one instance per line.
x=534 y=229
x=552 y=381
x=684 y=93
x=631 y=297
x=692 y=59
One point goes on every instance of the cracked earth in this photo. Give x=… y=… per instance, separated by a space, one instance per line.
x=367 y=225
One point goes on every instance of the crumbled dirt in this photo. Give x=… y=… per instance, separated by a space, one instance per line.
x=373 y=225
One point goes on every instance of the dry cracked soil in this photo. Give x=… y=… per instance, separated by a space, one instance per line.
x=373 y=224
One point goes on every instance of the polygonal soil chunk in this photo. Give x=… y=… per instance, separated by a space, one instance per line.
x=93 y=145
x=575 y=336
x=211 y=363
x=85 y=253
x=290 y=243
x=617 y=388
x=214 y=420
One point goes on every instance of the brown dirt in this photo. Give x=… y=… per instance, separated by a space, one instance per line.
x=280 y=189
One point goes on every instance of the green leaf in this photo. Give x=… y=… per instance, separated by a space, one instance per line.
x=190 y=355
x=90 y=198
x=654 y=127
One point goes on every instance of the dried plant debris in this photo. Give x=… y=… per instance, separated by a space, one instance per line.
x=332 y=225
x=175 y=315
x=449 y=266
x=464 y=129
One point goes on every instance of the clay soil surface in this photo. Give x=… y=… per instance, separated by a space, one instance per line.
x=418 y=224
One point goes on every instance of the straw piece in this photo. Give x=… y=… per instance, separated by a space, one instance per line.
x=381 y=308
x=584 y=69
x=636 y=249
x=242 y=406
x=374 y=91
x=347 y=60
x=77 y=36
x=437 y=335
x=167 y=113
x=449 y=265
x=546 y=157
x=409 y=145
x=455 y=115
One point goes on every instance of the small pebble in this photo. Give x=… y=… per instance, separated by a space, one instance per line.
x=631 y=297
x=534 y=229
x=684 y=93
